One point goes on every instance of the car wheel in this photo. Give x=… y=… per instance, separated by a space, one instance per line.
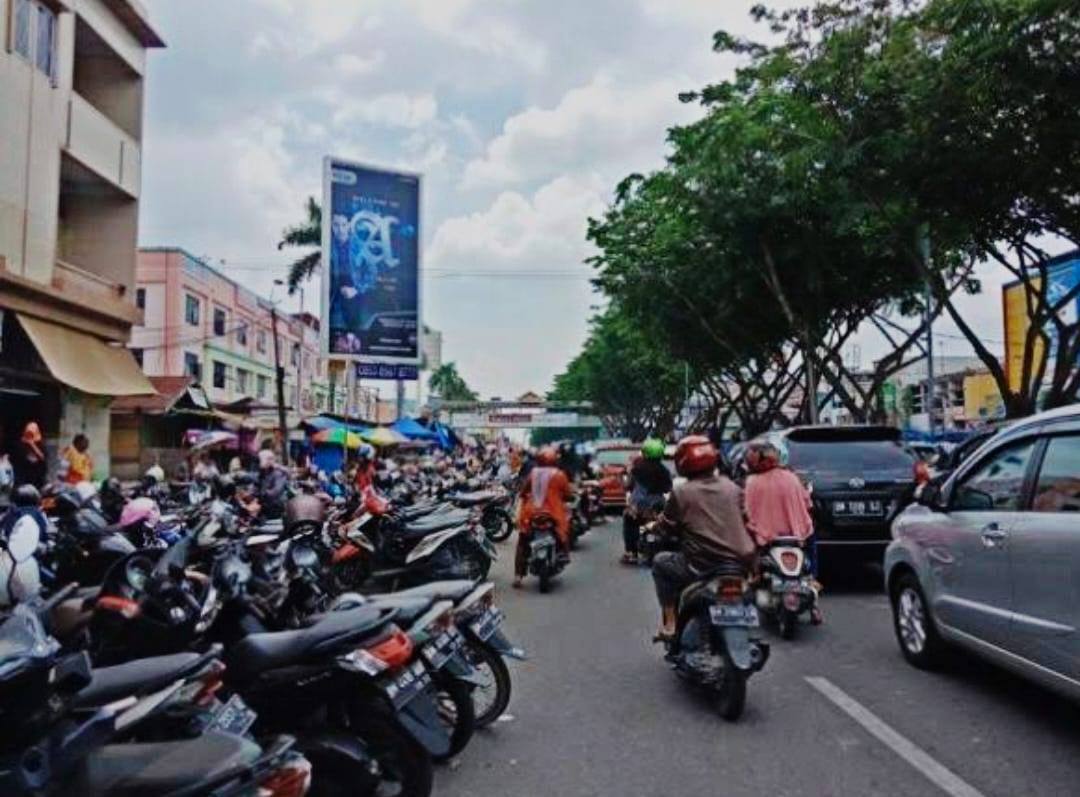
x=915 y=632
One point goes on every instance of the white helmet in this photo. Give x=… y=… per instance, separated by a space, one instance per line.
x=156 y=472
x=86 y=491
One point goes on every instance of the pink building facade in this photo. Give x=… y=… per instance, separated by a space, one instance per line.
x=199 y=322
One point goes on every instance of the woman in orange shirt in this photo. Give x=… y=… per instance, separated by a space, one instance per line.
x=545 y=492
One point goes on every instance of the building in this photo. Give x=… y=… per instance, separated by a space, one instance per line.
x=202 y=324
x=72 y=78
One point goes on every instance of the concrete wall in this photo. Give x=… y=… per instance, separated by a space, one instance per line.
x=90 y=416
x=111 y=86
x=97 y=15
x=101 y=236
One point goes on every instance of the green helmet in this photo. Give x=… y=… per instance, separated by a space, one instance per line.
x=652 y=449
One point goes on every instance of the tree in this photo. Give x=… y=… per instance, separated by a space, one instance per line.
x=635 y=387
x=447 y=383
x=306 y=235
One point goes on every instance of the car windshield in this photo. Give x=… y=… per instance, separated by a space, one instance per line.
x=615 y=456
x=873 y=460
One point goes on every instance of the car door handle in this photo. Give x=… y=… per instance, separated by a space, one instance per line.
x=993 y=535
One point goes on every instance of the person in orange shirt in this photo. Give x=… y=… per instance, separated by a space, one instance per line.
x=80 y=465
x=545 y=492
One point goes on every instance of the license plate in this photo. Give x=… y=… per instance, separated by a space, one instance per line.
x=439 y=651
x=734 y=615
x=858 y=508
x=234 y=717
x=407 y=684
x=487 y=624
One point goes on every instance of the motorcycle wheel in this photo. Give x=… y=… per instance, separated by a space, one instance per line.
x=788 y=623
x=456 y=713
x=405 y=766
x=731 y=696
x=545 y=581
x=498 y=525
x=490 y=701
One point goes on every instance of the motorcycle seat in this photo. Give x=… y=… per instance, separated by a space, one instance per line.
x=135 y=770
x=409 y=608
x=258 y=653
x=139 y=677
x=474 y=499
x=447 y=520
x=455 y=591
x=412 y=514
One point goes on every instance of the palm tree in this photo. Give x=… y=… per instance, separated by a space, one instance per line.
x=446 y=382
x=306 y=235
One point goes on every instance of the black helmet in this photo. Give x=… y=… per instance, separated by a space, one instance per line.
x=26 y=495
x=67 y=501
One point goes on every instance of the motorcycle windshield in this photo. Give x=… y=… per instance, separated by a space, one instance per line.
x=23 y=640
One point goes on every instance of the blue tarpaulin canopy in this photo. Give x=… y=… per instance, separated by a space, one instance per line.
x=413 y=429
x=320 y=423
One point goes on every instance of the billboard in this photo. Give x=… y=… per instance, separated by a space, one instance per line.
x=371 y=241
x=1064 y=276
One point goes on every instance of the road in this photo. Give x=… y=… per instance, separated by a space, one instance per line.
x=596 y=712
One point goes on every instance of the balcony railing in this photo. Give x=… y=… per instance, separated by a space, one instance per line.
x=99 y=144
x=91 y=290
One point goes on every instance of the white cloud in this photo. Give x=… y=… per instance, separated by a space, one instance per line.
x=469 y=27
x=607 y=126
x=393 y=109
x=350 y=65
x=544 y=231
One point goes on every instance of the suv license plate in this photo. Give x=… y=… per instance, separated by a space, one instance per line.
x=734 y=615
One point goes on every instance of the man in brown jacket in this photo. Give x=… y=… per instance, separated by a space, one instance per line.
x=705 y=514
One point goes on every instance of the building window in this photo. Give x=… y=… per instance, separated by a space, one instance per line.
x=296 y=355
x=243 y=380
x=219 y=321
x=45 y=57
x=140 y=298
x=191 y=309
x=192 y=367
x=220 y=375
x=263 y=383
x=23 y=10
x=138 y=355
x=241 y=334
x=260 y=341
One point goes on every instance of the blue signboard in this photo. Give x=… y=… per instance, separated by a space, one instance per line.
x=1063 y=280
x=387 y=371
x=371 y=241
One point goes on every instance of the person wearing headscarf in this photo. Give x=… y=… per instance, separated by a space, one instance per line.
x=29 y=460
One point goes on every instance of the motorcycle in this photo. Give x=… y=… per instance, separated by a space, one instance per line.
x=716 y=644
x=786 y=588
x=579 y=523
x=545 y=559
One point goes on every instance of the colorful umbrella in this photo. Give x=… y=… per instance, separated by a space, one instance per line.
x=338 y=437
x=213 y=439
x=383 y=436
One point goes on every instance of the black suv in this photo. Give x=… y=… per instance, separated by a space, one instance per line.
x=860 y=476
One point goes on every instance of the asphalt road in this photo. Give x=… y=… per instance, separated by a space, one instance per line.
x=596 y=711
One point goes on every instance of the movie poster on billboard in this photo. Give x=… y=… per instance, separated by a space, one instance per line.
x=371 y=241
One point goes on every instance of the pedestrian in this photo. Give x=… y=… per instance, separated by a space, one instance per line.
x=29 y=460
x=80 y=465
x=205 y=469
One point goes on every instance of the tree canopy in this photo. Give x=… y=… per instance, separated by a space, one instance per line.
x=448 y=384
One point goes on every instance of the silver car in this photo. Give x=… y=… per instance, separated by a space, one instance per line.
x=990 y=559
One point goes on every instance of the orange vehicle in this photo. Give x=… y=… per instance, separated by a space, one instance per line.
x=613 y=461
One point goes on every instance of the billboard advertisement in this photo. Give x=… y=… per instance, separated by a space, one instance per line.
x=1064 y=276
x=371 y=241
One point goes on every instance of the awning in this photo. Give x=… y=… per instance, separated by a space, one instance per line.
x=84 y=362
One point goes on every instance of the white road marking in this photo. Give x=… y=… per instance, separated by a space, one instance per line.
x=938 y=774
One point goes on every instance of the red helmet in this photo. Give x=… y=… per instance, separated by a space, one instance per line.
x=695 y=455
x=547 y=456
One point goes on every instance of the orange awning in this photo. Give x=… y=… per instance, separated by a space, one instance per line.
x=84 y=362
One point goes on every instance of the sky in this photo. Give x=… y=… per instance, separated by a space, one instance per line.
x=522 y=116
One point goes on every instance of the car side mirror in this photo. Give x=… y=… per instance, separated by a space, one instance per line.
x=930 y=497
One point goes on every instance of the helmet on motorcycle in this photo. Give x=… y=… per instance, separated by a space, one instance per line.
x=547 y=456
x=652 y=449
x=762 y=457
x=155 y=473
x=86 y=490
x=366 y=451
x=695 y=456
x=66 y=502
x=26 y=495
x=140 y=510
x=304 y=509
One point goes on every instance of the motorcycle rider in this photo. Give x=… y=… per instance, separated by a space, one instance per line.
x=649 y=482
x=365 y=467
x=778 y=505
x=273 y=484
x=545 y=491
x=705 y=515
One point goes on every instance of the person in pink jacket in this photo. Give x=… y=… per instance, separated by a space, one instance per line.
x=778 y=504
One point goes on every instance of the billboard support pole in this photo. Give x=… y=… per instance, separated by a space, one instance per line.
x=931 y=399
x=279 y=377
x=400 y=398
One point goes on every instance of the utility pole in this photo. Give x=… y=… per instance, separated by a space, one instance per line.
x=931 y=399
x=400 y=398
x=279 y=377
x=811 y=385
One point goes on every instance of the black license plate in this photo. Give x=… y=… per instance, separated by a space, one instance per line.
x=234 y=717
x=407 y=684
x=441 y=649
x=487 y=624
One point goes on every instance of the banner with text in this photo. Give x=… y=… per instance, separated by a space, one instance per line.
x=371 y=256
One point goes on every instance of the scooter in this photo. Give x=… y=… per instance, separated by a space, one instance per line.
x=545 y=559
x=786 y=589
